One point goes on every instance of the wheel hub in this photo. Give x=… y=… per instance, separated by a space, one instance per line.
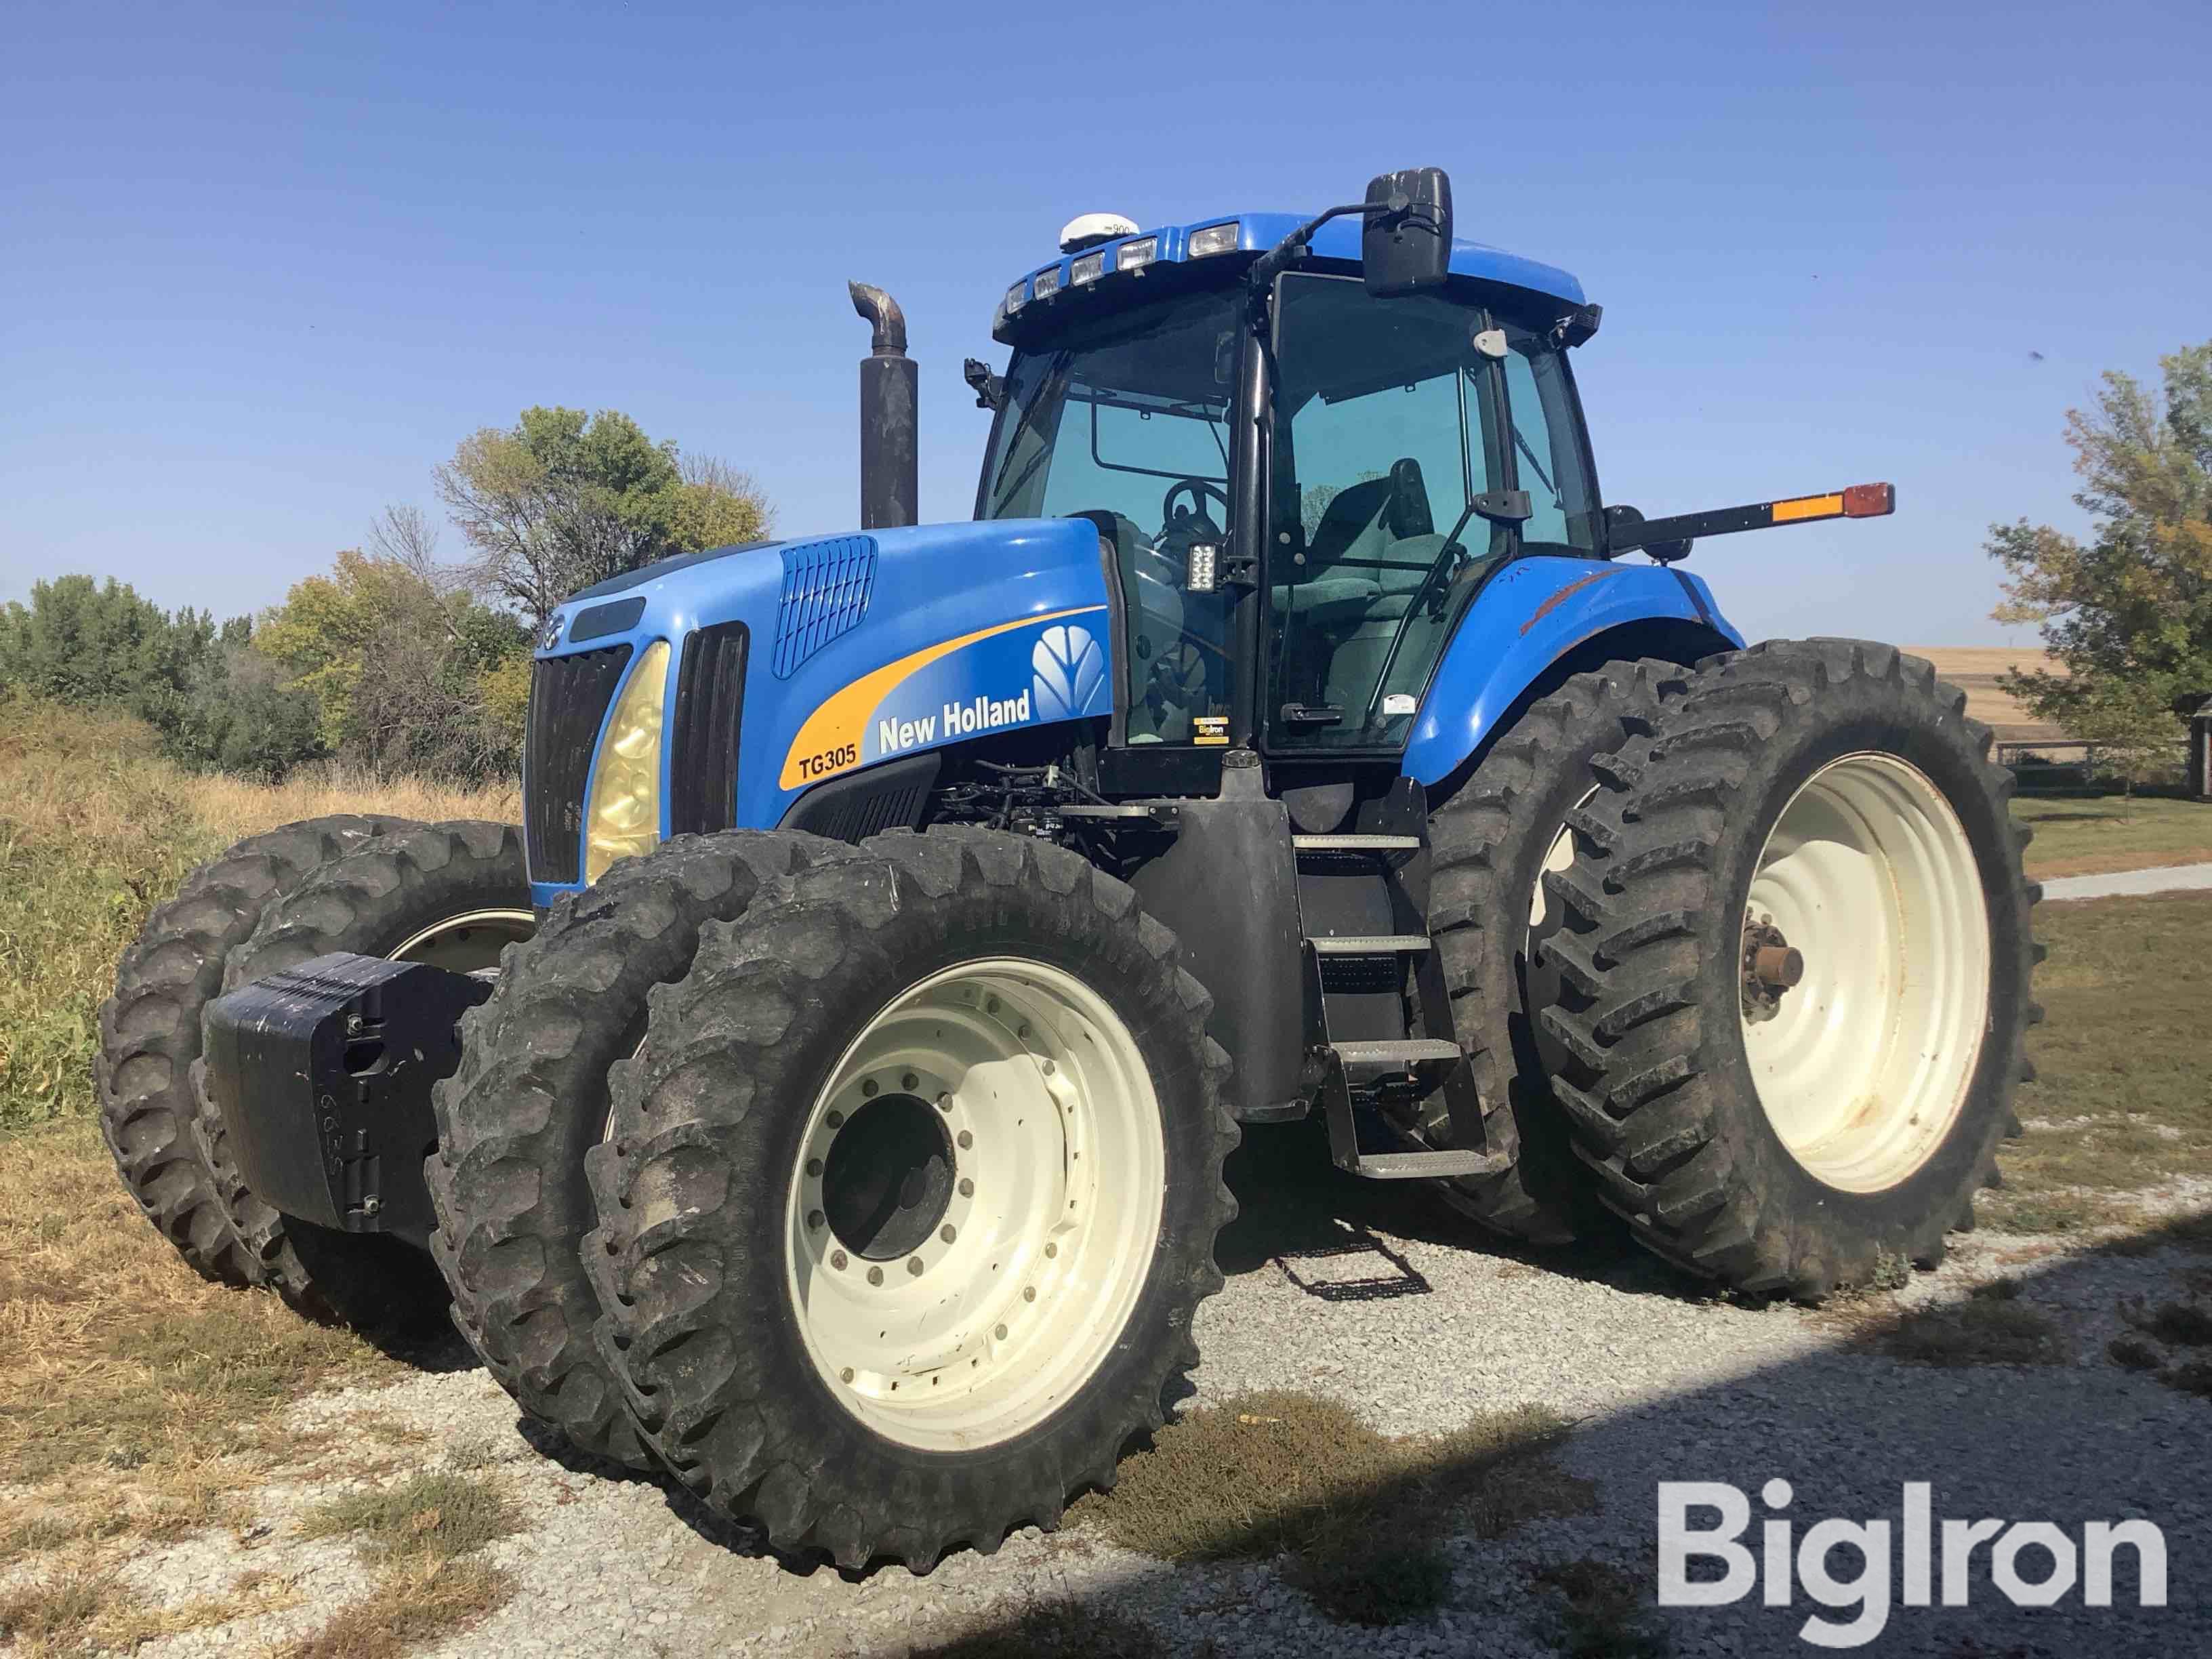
x=1771 y=967
x=887 y=1181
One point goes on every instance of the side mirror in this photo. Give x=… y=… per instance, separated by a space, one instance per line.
x=1408 y=248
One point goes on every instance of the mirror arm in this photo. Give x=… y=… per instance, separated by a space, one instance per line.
x=1278 y=259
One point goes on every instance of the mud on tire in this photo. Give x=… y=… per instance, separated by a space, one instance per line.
x=381 y=897
x=531 y=1098
x=149 y=1029
x=695 y=1194
x=1488 y=846
x=1658 y=997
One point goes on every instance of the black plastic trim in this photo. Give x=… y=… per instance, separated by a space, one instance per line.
x=702 y=756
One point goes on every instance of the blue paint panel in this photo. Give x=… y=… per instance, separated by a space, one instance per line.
x=1526 y=618
x=826 y=593
x=1340 y=239
x=931 y=584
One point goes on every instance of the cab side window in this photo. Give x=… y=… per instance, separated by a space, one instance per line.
x=1547 y=449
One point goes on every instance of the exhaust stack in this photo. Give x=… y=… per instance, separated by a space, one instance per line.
x=889 y=476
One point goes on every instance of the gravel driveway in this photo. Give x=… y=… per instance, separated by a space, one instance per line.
x=1372 y=1294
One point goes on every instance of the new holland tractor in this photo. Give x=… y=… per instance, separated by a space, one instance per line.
x=823 y=1094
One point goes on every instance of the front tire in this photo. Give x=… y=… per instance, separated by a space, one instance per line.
x=531 y=1098
x=1795 y=969
x=150 y=1030
x=912 y=1198
x=452 y=893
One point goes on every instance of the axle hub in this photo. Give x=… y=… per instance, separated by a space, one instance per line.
x=1771 y=967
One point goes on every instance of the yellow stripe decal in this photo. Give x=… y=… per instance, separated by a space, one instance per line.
x=829 y=741
x=1808 y=507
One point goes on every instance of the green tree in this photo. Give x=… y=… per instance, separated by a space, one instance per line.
x=404 y=666
x=560 y=500
x=2128 y=611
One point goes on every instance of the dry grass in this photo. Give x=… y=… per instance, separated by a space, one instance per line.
x=2119 y=1101
x=438 y=1514
x=1984 y=1329
x=1601 y=1612
x=138 y=1399
x=78 y=1608
x=2094 y=835
x=1362 y=1516
x=1977 y=668
x=424 y=1600
x=244 y=808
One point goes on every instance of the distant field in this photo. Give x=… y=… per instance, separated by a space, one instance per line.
x=1975 y=668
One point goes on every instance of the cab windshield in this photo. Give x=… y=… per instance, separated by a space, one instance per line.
x=1127 y=423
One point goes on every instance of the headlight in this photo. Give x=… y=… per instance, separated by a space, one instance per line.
x=1214 y=239
x=1048 y=283
x=1135 y=256
x=1017 y=296
x=626 y=780
x=1089 y=269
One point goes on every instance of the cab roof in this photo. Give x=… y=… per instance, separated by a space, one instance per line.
x=1251 y=233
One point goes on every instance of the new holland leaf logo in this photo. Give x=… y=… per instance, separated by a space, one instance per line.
x=1069 y=667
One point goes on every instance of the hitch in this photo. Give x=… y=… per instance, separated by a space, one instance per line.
x=323 y=1074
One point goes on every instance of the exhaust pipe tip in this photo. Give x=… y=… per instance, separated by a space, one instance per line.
x=883 y=316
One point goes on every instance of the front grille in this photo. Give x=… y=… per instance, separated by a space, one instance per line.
x=568 y=699
x=710 y=701
x=826 y=593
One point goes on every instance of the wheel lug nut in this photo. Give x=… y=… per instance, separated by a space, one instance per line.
x=847 y=1374
x=1052 y=1250
x=1028 y=1292
x=990 y=1005
x=835 y=1120
x=945 y=1102
x=875 y=1275
x=1046 y=1067
x=966 y=1140
x=913 y=1265
x=1000 y=1333
x=837 y=1260
x=947 y=1234
x=814 y=1218
x=869 y=1087
x=909 y=1082
x=813 y=1166
x=967 y=1188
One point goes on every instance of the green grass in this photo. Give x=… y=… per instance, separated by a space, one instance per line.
x=2121 y=1064
x=1361 y=1516
x=436 y=1514
x=2089 y=834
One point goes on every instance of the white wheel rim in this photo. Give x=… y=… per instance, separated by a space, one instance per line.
x=1052 y=1193
x=469 y=943
x=1863 y=1065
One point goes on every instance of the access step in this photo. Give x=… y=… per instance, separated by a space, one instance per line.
x=1394 y=847
x=1400 y=1055
x=1424 y=1166
x=1369 y=945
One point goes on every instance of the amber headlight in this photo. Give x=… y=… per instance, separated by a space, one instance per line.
x=626 y=782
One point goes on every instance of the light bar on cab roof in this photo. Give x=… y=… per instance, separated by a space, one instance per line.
x=1048 y=283
x=1135 y=256
x=1017 y=296
x=1214 y=239
x=1089 y=268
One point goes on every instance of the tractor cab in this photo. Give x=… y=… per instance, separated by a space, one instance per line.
x=1303 y=455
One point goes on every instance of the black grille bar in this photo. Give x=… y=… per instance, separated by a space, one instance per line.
x=710 y=702
x=568 y=699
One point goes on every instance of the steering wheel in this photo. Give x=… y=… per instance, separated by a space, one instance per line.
x=1197 y=489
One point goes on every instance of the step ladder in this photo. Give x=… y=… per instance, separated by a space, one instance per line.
x=1425 y=1062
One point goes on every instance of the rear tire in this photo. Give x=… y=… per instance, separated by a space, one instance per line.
x=531 y=1098
x=1828 y=798
x=451 y=893
x=749 y=1229
x=149 y=1029
x=1490 y=843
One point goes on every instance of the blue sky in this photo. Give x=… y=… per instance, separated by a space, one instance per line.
x=262 y=268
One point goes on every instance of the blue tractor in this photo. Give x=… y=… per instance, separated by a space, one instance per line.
x=824 y=1094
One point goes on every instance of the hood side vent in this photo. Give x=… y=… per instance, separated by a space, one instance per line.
x=826 y=593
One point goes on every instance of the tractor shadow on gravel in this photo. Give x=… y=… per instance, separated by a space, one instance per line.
x=1336 y=1236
